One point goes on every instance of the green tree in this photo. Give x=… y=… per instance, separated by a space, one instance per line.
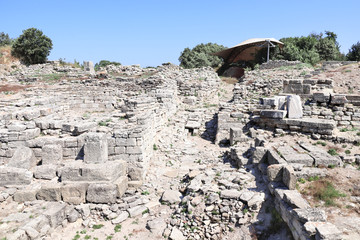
x=354 y=52
x=4 y=39
x=104 y=63
x=32 y=47
x=200 y=56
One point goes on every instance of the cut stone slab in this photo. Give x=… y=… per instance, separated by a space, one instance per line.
x=328 y=231
x=55 y=213
x=95 y=148
x=80 y=171
x=193 y=125
x=74 y=193
x=47 y=172
x=289 y=177
x=295 y=154
x=26 y=194
x=122 y=185
x=122 y=217
x=273 y=157
x=14 y=176
x=102 y=193
x=51 y=154
x=277 y=114
x=235 y=135
x=321 y=157
x=23 y=158
x=230 y=194
x=310 y=215
x=171 y=196
x=275 y=172
x=295 y=200
x=259 y=155
x=294 y=107
x=137 y=210
x=49 y=192
x=156 y=226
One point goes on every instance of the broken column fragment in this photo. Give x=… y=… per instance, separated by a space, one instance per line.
x=294 y=107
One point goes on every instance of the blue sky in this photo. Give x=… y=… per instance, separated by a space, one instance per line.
x=153 y=32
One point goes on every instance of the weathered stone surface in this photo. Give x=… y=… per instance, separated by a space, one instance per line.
x=156 y=226
x=137 y=210
x=275 y=172
x=277 y=114
x=74 y=193
x=79 y=171
x=49 y=192
x=259 y=155
x=122 y=217
x=289 y=177
x=122 y=185
x=328 y=231
x=171 y=196
x=235 y=135
x=294 y=154
x=95 y=148
x=23 y=158
x=310 y=215
x=26 y=194
x=274 y=157
x=230 y=194
x=295 y=200
x=176 y=234
x=89 y=67
x=47 y=172
x=102 y=193
x=321 y=157
x=55 y=213
x=294 y=107
x=51 y=154
x=14 y=176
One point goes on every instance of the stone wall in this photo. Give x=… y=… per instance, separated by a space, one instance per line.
x=278 y=63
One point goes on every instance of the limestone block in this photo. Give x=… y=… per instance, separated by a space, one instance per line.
x=23 y=158
x=277 y=114
x=294 y=107
x=137 y=210
x=79 y=171
x=26 y=194
x=289 y=177
x=49 y=192
x=171 y=196
x=275 y=172
x=74 y=193
x=55 y=213
x=280 y=102
x=89 y=67
x=274 y=157
x=14 y=176
x=294 y=199
x=95 y=148
x=230 y=194
x=122 y=185
x=328 y=231
x=102 y=193
x=235 y=135
x=310 y=215
x=259 y=155
x=338 y=99
x=47 y=172
x=51 y=154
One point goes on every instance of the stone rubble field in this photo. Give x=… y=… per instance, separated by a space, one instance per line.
x=132 y=153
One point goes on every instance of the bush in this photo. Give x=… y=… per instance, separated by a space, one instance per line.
x=200 y=56
x=354 y=52
x=104 y=63
x=4 y=39
x=32 y=47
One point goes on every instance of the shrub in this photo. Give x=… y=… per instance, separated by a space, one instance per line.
x=4 y=39
x=332 y=152
x=200 y=56
x=354 y=52
x=104 y=63
x=32 y=47
x=326 y=191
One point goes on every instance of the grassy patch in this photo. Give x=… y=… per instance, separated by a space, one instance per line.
x=98 y=226
x=325 y=191
x=117 y=228
x=332 y=152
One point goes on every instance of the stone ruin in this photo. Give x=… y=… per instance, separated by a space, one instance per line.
x=83 y=149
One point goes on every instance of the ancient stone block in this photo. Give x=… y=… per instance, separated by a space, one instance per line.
x=122 y=185
x=74 y=193
x=79 y=171
x=23 y=158
x=47 y=172
x=259 y=155
x=230 y=194
x=235 y=135
x=275 y=172
x=295 y=156
x=310 y=215
x=277 y=114
x=55 y=213
x=89 y=67
x=49 y=192
x=294 y=107
x=328 y=231
x=26 y=194
x=102 y=193
x=51 y=154
x=289 y=177
x=171 y=196
x=137 y=210
x=294 y=199
x=14 y=176
x=274 y=157
x=95 y=148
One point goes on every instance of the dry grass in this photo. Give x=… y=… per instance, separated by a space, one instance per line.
x=5 y=55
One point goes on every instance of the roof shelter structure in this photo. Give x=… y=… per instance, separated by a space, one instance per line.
x=246 y=50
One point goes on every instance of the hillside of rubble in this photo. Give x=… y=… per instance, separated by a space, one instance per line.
x=164 y=152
